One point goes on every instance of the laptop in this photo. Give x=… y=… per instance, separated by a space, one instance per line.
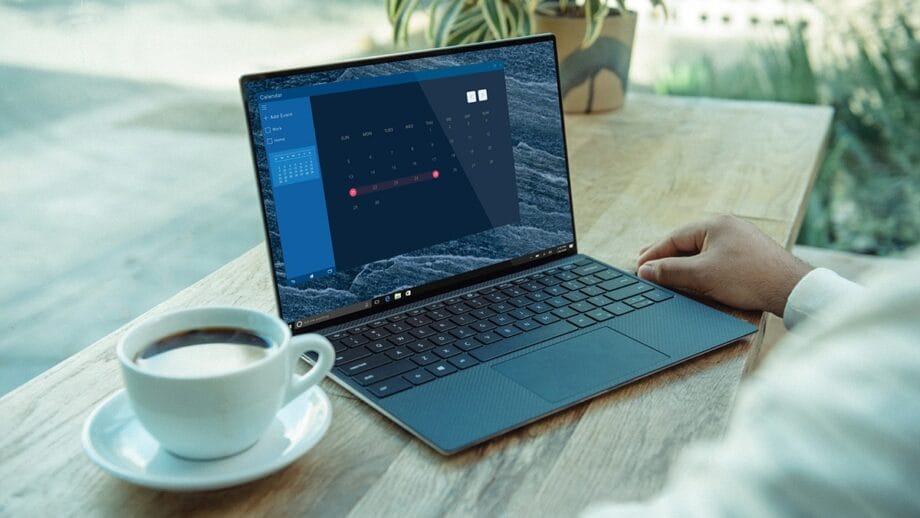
x=418 y=213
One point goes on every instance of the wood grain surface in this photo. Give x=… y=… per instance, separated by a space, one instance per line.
x=636 y=174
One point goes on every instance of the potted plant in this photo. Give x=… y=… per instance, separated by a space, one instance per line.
x=594 y=40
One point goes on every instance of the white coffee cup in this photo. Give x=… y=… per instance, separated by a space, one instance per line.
x=210 y=416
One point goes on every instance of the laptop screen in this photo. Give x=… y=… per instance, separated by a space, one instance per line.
x=386 y=180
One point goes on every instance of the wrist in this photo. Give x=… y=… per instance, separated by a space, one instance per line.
x=793 y=273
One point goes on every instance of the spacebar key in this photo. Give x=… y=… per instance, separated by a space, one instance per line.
x=516 y=343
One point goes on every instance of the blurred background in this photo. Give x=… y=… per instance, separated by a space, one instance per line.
x=125 y=172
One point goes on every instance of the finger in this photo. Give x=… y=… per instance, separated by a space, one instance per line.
x=681 y=273
x=683 y=241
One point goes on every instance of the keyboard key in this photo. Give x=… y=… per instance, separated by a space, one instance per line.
x=532 y=286
x=401 y=339
x=507 y=331
x=379 y=346
x=443 y=325
x=592 y=291
x=446 y=351
x=526 y=325
x=397 y=318
x=658 y=295
x=350 y=355
x=385 y=371
x=477 y=303
x=462 y=320
x=515 y=292
x=566 y=276
x=396 y=327
x=436 y=305
x=482 y=313
x=389 y=387
x=575 y=296
x=441 y=368
x=567 y=267
x=462 y=332
x=378 y=323
x=607 y=274
x=399 y=353
x=482 y=326
x=520 y=281
x=453 y=300
x=581 y=321
x=420 y=346
x=421 y=332
x=599 y=300
x=521 y=313
x=617 y=283
x=468 y=344
x=520 y=342
x=497 y=296
x=589 y=280
x=572 y=285
x=339 y=347
x=488 y=338
x=419 y=376
x=599 y=314
x=639 y=302
x=550 y=280
x=439 y=314
x=459 y=308
x=538 y=296
x=355 y=340
x=583 y=261
x=415 y=312
x=582 y=306
x=417 y=321
x=464 y=361
x=629 y=291
x=589 y=269
x=501 y=320
x=520 y=302
x=425 y=358
x=469 y=296
x=502 y=307
x=338 y=336
x=565 y=312
x=486 y=291
x=555 y=291
x=376 y=334
x=558 y=302
x=441 y=339
x=539 y=307
x=618 y=308
x=546 y=318
x=364 y=364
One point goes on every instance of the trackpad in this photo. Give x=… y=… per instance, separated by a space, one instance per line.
x=582 y=365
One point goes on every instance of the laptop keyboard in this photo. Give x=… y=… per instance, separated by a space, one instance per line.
x=412 y=348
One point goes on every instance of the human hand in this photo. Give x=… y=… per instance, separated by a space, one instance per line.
x=726 y=259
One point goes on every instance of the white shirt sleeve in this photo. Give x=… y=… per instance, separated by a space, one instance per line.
x=829 y=425
x=817 y=290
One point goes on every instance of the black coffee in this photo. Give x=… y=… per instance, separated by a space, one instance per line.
x=204 y=352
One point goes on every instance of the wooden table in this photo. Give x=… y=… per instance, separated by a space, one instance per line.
x=636 y=173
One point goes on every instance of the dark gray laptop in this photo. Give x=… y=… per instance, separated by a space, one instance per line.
x=418 y=213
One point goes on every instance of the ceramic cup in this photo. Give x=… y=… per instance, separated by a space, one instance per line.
x=212 y=416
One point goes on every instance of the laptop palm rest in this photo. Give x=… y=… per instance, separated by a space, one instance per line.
x=581 y=365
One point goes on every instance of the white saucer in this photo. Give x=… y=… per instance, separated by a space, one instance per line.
x=115 y=440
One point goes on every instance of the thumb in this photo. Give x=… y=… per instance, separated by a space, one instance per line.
x=673 y=272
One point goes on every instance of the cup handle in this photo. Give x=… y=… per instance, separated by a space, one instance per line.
x=301 y=344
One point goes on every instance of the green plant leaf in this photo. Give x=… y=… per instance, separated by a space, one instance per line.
x=446 y=22
x=463 y=29
x=495 y=17
x=401 y=26
x=595 y=13
x=393 y=8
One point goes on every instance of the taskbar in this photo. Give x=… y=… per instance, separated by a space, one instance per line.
x=407 y=295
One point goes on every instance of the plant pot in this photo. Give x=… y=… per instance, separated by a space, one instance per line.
x=592 y=79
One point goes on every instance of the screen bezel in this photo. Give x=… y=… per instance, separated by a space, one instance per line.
x=447 y=284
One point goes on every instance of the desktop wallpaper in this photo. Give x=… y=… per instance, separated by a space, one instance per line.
x=539 y=168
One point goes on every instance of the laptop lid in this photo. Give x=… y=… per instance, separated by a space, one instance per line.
x=390 y=179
